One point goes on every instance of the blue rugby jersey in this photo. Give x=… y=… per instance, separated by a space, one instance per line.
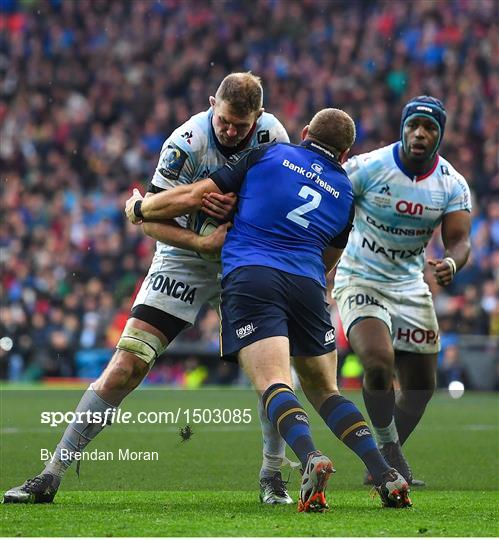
x=294 y=201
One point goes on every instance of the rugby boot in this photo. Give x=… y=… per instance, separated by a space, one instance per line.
x=394 y=490
x=313 y=484
x=392 y=452
x=273 y=490
x=40 y=489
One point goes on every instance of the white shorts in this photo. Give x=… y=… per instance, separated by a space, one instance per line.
x=180 y=285
x=408 y=313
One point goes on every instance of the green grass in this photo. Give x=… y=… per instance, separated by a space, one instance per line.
x=207 y=486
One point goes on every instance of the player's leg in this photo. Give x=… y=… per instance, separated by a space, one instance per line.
x=416 y=342
x=254 y=323
x=366 y=314
x=416 y=374
x=317 y=376
x=272 y=487
x=370 y=339
x=266 y=362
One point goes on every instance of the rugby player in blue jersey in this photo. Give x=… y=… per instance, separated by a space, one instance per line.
x=293 y=219
x=179 y=281
x=402 y=193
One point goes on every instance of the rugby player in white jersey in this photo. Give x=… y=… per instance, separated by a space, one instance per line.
x=402 y=193
x=180 y=280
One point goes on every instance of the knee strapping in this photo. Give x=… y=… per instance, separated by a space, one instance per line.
x=141 y=343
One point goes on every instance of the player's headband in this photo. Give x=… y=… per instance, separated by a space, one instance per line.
x=427 y=106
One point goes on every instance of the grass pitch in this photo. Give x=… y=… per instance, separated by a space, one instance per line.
x=207 y=486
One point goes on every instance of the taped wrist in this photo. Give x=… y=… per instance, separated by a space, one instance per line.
x=452 y=263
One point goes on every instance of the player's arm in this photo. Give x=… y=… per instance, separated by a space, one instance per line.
x=171 y=233
x=169 y=204
x=185 y=199
x=456 y=239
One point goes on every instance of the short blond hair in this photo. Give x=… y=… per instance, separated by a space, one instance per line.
x=243 y=92
x=334 y=129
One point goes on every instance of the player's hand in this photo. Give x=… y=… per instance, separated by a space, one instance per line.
x=129 y=207
x=212 y=244
x=442 y=270
x=218 y=205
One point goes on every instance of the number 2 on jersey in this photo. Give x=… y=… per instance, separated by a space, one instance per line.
x=296 y=214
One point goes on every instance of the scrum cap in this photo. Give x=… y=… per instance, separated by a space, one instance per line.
x=427 y=106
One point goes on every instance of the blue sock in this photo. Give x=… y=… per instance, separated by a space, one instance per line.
x=289 y=418
x=347 y=423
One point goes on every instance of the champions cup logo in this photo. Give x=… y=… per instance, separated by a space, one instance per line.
x=413 y=209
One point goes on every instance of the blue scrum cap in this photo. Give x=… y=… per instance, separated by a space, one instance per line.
x=427 y=106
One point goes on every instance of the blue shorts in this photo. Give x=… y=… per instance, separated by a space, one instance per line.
x=260 y=302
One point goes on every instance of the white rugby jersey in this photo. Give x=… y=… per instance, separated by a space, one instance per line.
x=191 y=153
x=395 y=216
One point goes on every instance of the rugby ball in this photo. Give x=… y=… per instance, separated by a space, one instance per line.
x=204 y=225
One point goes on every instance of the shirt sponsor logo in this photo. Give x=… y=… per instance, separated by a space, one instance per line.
x=392 y=254
x=406 y=207
x=245 y=331
x=173 y=288
x=417 y=335
x=397 y=230
x=364 y=299
x=312 y=175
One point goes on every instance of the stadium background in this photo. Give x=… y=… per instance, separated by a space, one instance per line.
x=91 y=88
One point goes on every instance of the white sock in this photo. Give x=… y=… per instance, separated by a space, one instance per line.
x=386 y=434
x=77 y=435
x=274 y=446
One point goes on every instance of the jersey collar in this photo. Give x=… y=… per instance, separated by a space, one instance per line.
x=413 y=177
x=316 y=147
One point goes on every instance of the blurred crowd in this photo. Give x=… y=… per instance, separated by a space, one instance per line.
x=89 y=90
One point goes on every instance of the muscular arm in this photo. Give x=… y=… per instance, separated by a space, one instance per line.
x=170 y=232
x=177 y=201
x=455 y=236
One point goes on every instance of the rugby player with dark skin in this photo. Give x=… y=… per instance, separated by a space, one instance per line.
x=416 y=372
